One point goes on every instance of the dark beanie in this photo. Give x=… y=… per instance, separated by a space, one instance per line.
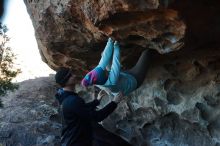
x=62 y=76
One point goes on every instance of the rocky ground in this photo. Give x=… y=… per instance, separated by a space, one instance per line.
x=29 y=115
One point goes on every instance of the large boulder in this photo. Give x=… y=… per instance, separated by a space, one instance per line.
x=178 y=103
x=74 y=32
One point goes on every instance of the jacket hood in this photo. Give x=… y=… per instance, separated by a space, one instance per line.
x=62 y=94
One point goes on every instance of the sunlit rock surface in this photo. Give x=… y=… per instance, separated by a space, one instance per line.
x=178 y=103
x=74 y=32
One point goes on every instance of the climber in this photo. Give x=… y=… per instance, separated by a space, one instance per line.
x=79 y=119
x=114 y=80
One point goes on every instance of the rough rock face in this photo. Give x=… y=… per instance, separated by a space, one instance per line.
x=73 y=32
x=178 y=104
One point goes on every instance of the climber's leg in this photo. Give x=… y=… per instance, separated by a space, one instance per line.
x=140 y=69
x=106 y=54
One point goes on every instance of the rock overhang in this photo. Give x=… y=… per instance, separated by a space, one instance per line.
x=73 y=33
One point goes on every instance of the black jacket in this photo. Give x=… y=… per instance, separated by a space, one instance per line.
x=77 y=117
